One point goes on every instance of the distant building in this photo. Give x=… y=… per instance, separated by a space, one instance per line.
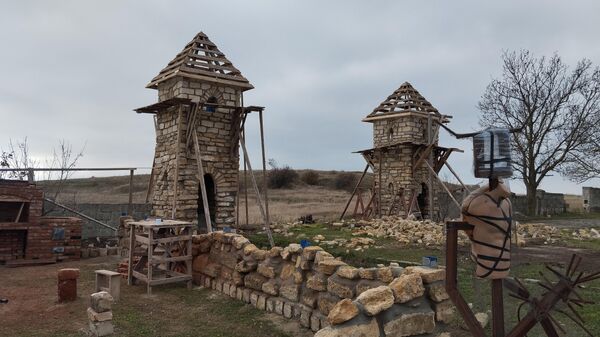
x=591 y=199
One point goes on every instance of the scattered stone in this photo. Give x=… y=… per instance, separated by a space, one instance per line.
x=410 y=325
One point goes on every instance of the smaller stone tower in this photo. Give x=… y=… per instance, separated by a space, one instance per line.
x=199 y=97
x=405 y=141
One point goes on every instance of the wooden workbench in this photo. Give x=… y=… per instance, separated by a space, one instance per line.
x=169 y=252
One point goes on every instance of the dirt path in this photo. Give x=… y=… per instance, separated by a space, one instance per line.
x=171 y=311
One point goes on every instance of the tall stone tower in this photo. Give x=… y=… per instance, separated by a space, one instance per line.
x=405 y=136
x=199 y=98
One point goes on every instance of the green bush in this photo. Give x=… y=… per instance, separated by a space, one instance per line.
x=345 y=181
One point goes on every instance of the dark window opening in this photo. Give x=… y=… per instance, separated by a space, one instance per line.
x=14 y=211
x=211 y=104
x=211 y=193
x=14 y=244
x=390 y=134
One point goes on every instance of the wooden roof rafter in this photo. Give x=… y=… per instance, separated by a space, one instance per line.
x=201 y=59
x=405 y=100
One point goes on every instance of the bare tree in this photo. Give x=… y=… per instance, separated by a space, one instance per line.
x=585 y=162
x=16 y=155
x=557 y=107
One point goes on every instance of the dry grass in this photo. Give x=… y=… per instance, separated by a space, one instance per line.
x=288 y=205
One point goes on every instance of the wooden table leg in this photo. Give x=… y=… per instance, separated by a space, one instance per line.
x=131 y=250
x=150 y=254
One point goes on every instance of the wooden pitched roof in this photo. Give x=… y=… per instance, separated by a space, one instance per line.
x=201 y=59
x=405 y=100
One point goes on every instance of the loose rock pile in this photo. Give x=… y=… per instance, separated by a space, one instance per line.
x=100 y=314
x=323 y=292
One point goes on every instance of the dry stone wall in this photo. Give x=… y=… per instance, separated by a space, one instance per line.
x=322 y=292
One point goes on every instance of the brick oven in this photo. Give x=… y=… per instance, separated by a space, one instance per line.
x=28 y=237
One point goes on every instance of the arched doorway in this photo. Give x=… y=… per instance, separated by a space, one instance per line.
x=422 y=200
x=211 y=192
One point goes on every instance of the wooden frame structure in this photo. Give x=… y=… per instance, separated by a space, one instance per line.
x=172 y=240
x=408 y=111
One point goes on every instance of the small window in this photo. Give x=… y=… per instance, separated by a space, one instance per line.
x=211 y=104
x=390 y=134
x=585 y=202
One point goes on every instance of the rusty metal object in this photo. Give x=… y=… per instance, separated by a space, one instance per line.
x=563 y=289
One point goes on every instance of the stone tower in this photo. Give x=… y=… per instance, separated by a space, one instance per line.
x=402 y=127
x=199 y=95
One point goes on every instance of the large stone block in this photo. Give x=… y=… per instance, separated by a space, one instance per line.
x=317 y=282
x=341 y=287
x=326 y=302
x=290 y=291
x=437 y=291
x=254 y=281
x=343 y=311
x=407 y=287
x=376 y=300
x=366 y=328
x=364 y=285
x=429 y=275
x=410 y=324
x=200 y=262
x=329 y=266
x=101 y=301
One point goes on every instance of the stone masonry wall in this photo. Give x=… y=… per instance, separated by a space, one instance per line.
x=591 y=199
x=215 y=135
x=322 y=292
x=401 y=129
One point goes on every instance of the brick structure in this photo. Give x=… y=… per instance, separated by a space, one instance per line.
x=199 y=94
x=27 y=235
x=591 y=199
x=402 y=125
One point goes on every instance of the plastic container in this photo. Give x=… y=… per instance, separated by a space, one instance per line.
x=492 y=154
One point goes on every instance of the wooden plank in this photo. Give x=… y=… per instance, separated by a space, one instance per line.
x=255 y=185
x=18 y=218
x=443 y=185
x=142 y=239
x=150 y=256
x=130 y=202
x=140 y=276
x=354 y=191
x=151 y=180
x=130 y=257
x=162 y=259
x=176 y=178
x=457 y=177
x=188 y=263
x=264 y=167
x=169 y=280
x=202 y=184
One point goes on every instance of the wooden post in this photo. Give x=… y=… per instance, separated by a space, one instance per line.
x=131 y=250
x=379 y=190
x=150 y=254
x=130 y=203
x=187 y=231
x=246 y=189
x=457 y=177
x=497 y=309
x=202 y=184
x=354 y=191
x=255 y=185
x=264 y=166
x=443 y=185
x=177 y=142
x=151 y=180
x=430 y=141
x=30 y=176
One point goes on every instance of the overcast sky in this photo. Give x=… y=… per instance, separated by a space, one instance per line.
x=74 y=70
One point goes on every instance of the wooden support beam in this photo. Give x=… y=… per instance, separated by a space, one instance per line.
x=256 y=190
x=457 y=177
x=264 y=167
x=130 y=203
x=431 y=142
x=79 y=213
x=151 y=180
x=202 y=184
x=380 y=182
x=443 y=185
x=18 y=218
x=354 y=191
x=177 y=151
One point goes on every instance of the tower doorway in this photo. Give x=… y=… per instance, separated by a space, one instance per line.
x=211 y=192
x=422 y=201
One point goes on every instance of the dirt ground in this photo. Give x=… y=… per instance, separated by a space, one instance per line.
x=33 y=310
